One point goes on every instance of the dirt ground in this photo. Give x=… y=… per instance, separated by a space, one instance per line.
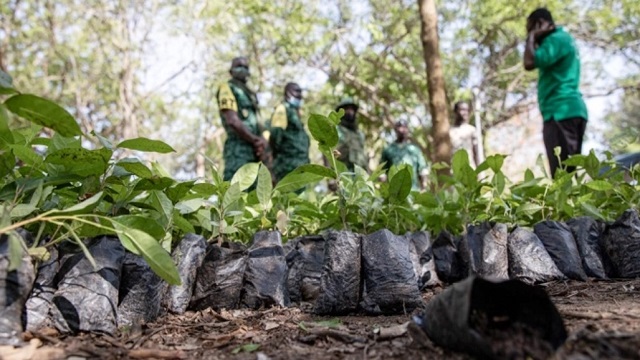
x=602 y=318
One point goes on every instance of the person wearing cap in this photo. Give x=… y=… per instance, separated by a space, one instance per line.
x=351 y=140
x=403 y=151
x=239 y=111
x=288 y=139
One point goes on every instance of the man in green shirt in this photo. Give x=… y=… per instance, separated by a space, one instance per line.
x=552 y=51
x=288 y=139
x=402 y=151
x=351 y=140
x=239 y=113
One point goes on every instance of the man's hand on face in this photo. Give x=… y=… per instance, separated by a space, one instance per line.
x=542 y=27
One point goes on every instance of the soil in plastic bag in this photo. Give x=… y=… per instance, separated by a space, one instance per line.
x=424 y=264
x=219 y=280
x=140 y=294
x=622 y=244
x=305 y=262
x=560 y=244
x=86 y=299
x=188 y=256
x=390 y=283
x=529 y=261
x=36 y=315
x=587 y=233
x=265 y=277
x=502 y=320
x=340 y=282
x=472 y=244
x=495 y=256
x=449 y=263
x=15 y=287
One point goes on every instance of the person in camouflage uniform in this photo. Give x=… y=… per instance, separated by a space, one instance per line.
x=351 y=140
x=402 y=151
x=288 y=139
x=239 y=113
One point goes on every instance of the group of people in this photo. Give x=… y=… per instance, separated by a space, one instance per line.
x=283 y=144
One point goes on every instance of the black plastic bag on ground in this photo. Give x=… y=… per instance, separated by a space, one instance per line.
x=424 y=264
x=188 y=256
x=15 y=287
x=560 y=244
x=495 y=256
x=529 y=261
x=140 y=294
x=219 y=281
x=622 y=244
x=390 y=283
x=587 y=233
x=472 y=252
x=86 y=299
x=305 y=268
x=340 y=282
x=449 y=264
x=265 y=277
x=36 y=315
x=508 y=319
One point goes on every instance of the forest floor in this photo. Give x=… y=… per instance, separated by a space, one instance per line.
x=601 y=317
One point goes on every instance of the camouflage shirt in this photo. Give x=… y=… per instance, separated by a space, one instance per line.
x=236 y=151
x=289 y=140
x=405 y=153
x=351 y=148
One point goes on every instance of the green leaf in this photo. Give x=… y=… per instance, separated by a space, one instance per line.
x=183 y=224
x=179 y=191
x=103 y=140
x=599 y=185
x=204 y=189
x=232 y=195
x=316 y=169
x=7 y=163
x=528 y=208
x=246 y=175
x=323 y=130
x=141 y=243
x=84 y=207
x=44 y=112
x=296 y=180
x=495 y=162
x=59 y=142
x=161 y=203
x=592 y=210
x=22 y=210
x=78 y=161
x=332 y=323
x=136 y=167
x=27 y=154
x=16 y=251
x=400 y=186
x=6 y=136
x=6 y=84
x=142 y=223
x=146 y=145
x=189 y=206
x=265 y=187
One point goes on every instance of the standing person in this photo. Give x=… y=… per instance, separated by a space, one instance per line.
x=462 y=134
x=351 y=140
x=289 y=140
x=239 y=113
x=551 y=50
x=402 y=151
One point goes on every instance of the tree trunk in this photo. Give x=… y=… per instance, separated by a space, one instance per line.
x=438 y=107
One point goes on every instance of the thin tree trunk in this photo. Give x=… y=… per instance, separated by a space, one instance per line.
x=438 y=107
